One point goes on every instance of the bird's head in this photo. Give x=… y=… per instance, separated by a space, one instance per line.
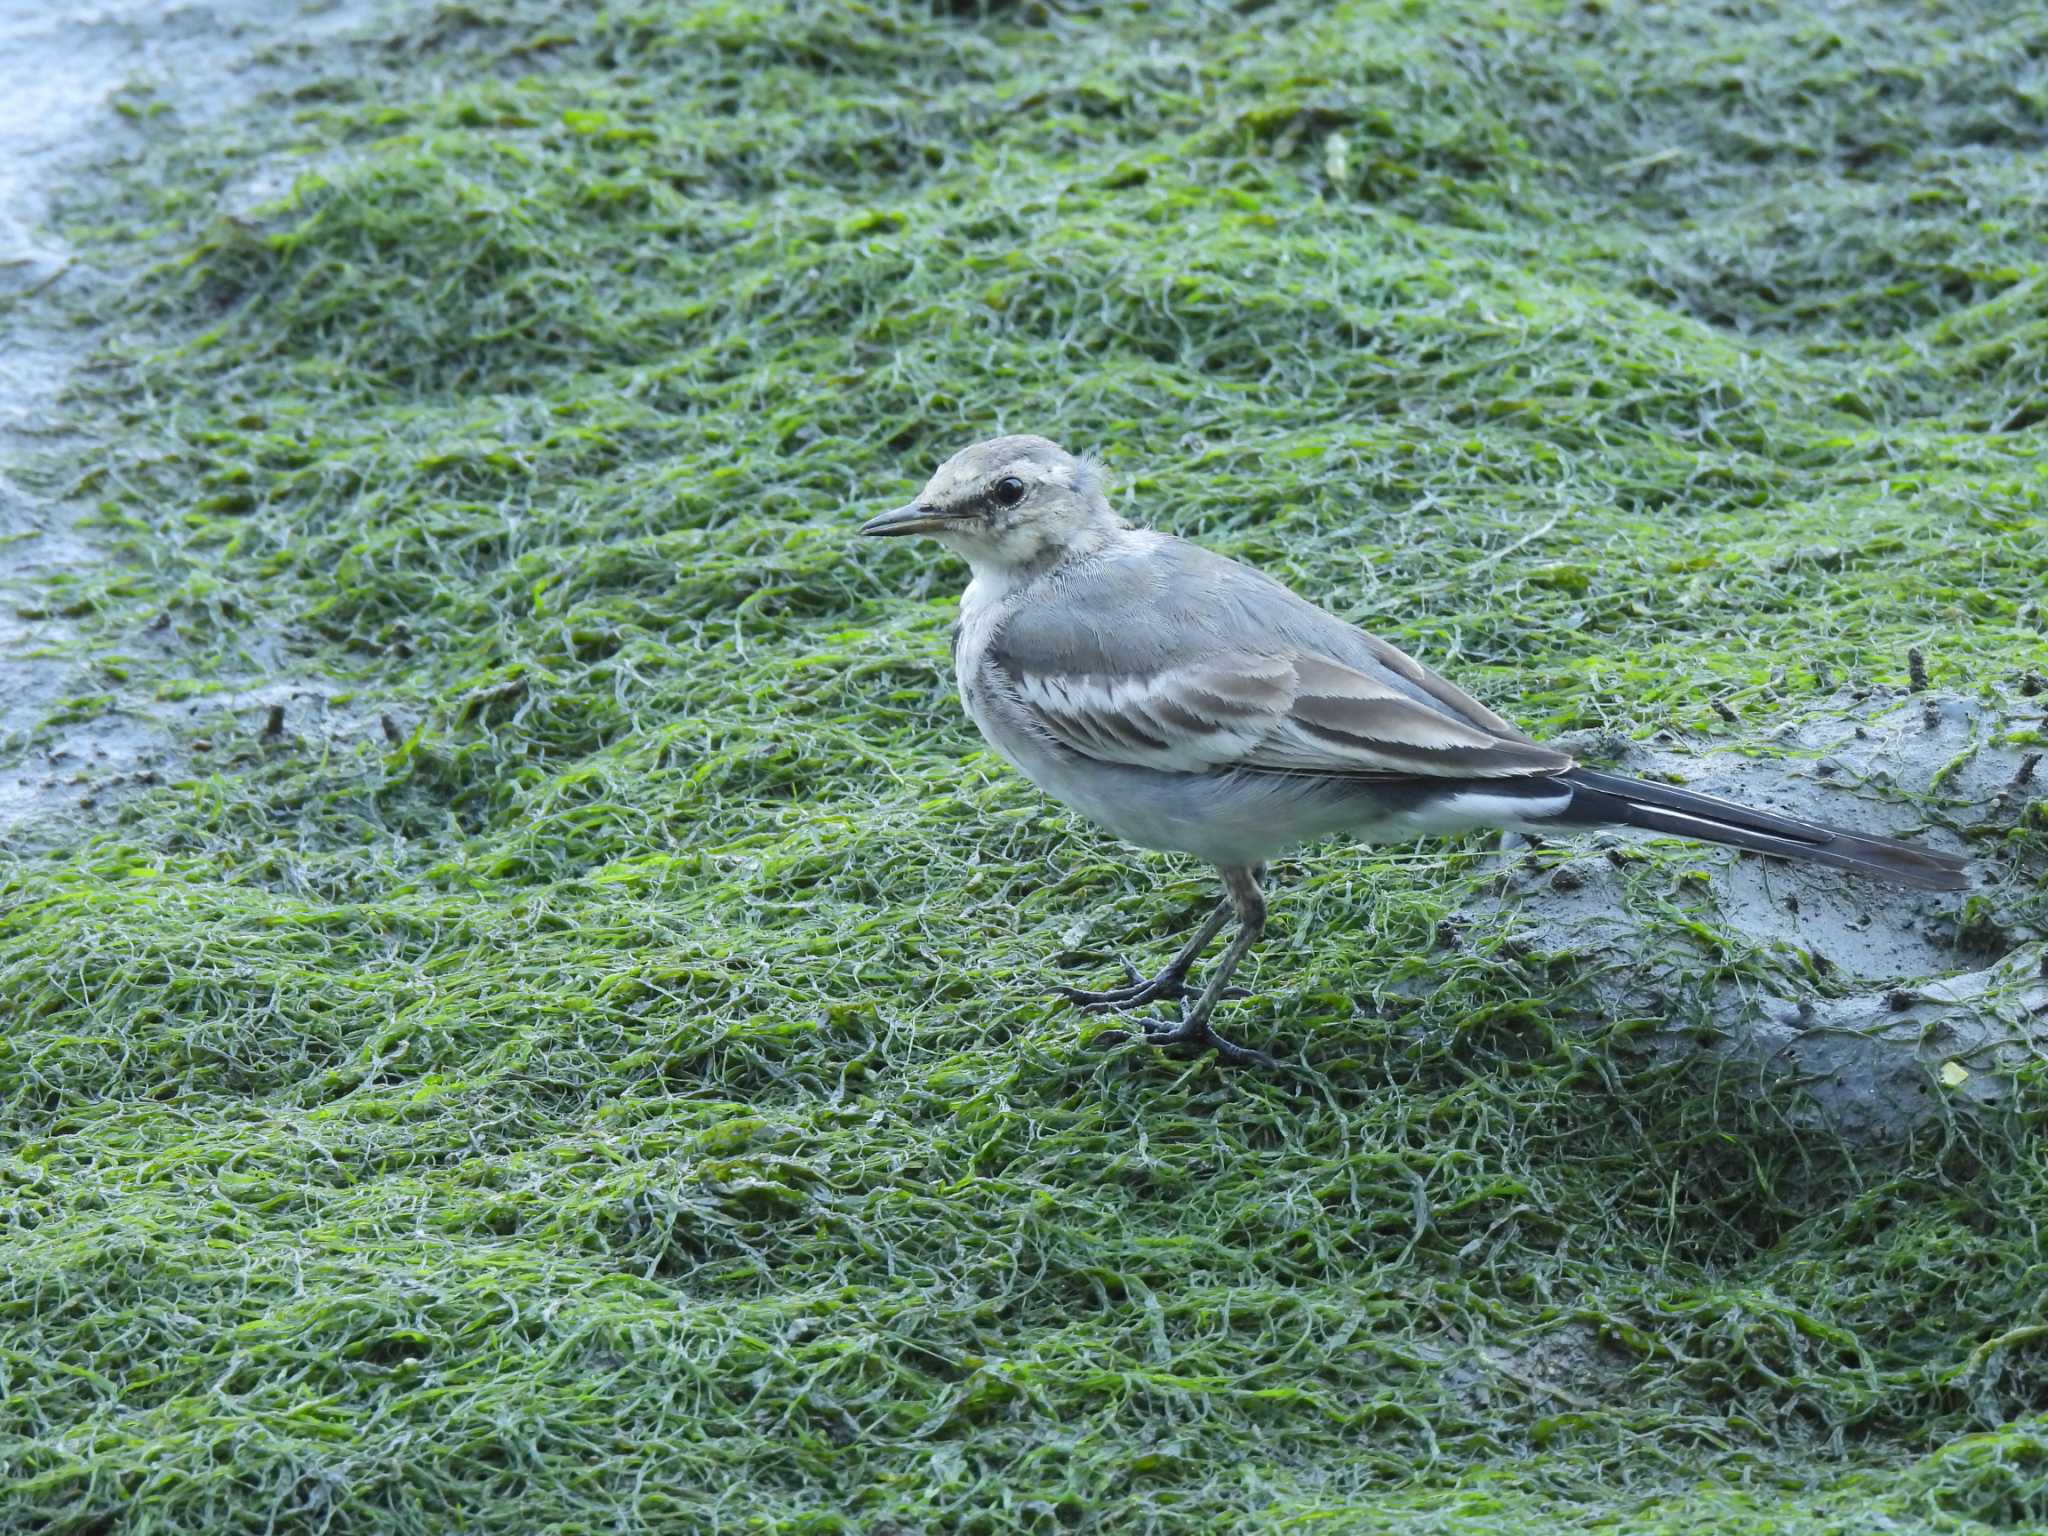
x=1007 y=504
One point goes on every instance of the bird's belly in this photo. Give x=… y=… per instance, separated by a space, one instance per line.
x=1234 y=819
x=1146 y=807
x=1114 y=796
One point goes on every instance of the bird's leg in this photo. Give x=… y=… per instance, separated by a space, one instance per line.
x=1171 y=982
x=1242 y=884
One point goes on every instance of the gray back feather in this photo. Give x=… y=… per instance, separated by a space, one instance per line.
x=1150 y=602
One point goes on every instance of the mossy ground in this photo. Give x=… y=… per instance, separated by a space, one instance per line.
x=620 y=1095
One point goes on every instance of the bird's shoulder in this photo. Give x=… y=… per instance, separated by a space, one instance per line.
x=1134 y=603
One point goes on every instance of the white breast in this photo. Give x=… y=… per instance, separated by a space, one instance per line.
x=982 y=607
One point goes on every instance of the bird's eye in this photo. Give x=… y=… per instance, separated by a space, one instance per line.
x=1008 y=491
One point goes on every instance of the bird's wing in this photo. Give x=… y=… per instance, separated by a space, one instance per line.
x=1164 y=656
x=1291 y=713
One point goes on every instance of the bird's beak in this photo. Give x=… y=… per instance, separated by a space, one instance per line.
x=911 y=519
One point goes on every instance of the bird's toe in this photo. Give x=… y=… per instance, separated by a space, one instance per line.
x=1199 y=1037
x=1135 y=993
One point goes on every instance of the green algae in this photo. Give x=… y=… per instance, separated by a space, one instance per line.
x=611 y=1086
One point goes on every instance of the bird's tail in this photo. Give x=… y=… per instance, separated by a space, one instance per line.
x=1613 y=799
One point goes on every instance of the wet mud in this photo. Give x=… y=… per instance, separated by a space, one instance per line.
x=1888 y=1007
x=69 y=745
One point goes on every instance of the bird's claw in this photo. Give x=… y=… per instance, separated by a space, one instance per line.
x=1138 y=992
x=1163 y=1034
x=1135 y=993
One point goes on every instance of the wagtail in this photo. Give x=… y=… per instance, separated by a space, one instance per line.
x=1187 y=702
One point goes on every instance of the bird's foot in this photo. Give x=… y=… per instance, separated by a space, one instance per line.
x=1197 y=1037
x=1201 y=1037
x=1134 y=993
x=1169 y=984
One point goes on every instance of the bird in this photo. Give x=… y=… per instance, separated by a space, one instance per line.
x=1189 y=703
